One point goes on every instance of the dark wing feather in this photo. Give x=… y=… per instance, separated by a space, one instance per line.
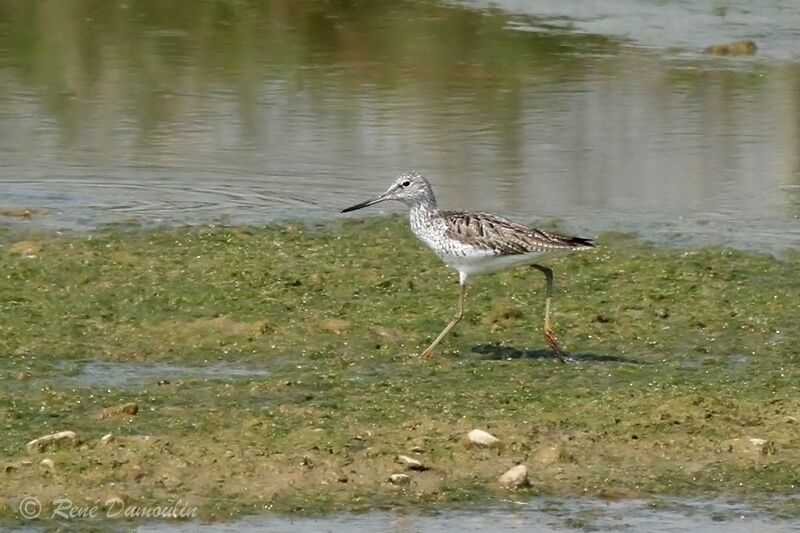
x=504 y=237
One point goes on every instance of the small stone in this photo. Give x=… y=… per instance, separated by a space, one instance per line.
x=48 y=464
x=515 y=477
x=411 y=463
x=107 y=439
x=62 y=438
x=482 y=438
x=399 y=479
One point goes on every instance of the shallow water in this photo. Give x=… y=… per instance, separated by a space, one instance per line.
x=540 y=515
x=679 y=29
x=605 y=116
x=133 y=375
x=112 y=374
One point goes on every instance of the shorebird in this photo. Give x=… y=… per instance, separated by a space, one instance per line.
x=476 y=242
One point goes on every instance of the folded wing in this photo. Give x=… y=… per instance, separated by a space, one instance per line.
x=503 y=237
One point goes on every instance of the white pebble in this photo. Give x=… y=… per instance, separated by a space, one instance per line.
x=482 y=438
x=399 y=479
x=411 y=463
x=515 y=477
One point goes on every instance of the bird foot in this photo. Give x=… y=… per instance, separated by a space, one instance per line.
x=551 y=339
x=427 y=353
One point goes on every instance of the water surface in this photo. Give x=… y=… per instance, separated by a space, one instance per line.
x=542 y=515
x=605 y=115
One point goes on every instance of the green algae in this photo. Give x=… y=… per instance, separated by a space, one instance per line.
x=681 y=357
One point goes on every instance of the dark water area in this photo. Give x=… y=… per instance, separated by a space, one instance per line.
x=606 y=116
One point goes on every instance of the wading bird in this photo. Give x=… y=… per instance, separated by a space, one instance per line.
x=475 y=243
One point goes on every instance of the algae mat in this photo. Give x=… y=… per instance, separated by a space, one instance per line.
x=684 y=379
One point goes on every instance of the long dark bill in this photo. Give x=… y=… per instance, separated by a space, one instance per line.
x=364 y=204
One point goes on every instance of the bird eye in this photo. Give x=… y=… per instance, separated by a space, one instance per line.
x=406 y=183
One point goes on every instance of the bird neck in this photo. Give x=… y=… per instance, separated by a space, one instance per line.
x=423 y=209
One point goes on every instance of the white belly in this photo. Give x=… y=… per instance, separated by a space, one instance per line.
x=481 y=263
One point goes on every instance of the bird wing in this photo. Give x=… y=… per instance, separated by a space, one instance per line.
x=501 y=236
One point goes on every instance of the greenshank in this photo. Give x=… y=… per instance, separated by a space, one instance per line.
x=476 y=243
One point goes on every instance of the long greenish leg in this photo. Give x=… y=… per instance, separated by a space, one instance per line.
x=549 y=336
x=462 y=281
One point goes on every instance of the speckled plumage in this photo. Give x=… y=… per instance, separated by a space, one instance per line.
x=476 y=242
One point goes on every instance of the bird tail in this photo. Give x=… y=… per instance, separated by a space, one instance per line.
x=581 y=242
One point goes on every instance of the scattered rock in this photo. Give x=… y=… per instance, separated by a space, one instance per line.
x=47 y=464
x=26 y=248
x=20 y=212
x=742 y=47
x=399 y=479
x=482 y=438
x=751 y=446
x=515 y=477
x=62 y=438
x=411 y=463
x=107 y=439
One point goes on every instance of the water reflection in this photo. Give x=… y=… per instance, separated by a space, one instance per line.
x=258 y=111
